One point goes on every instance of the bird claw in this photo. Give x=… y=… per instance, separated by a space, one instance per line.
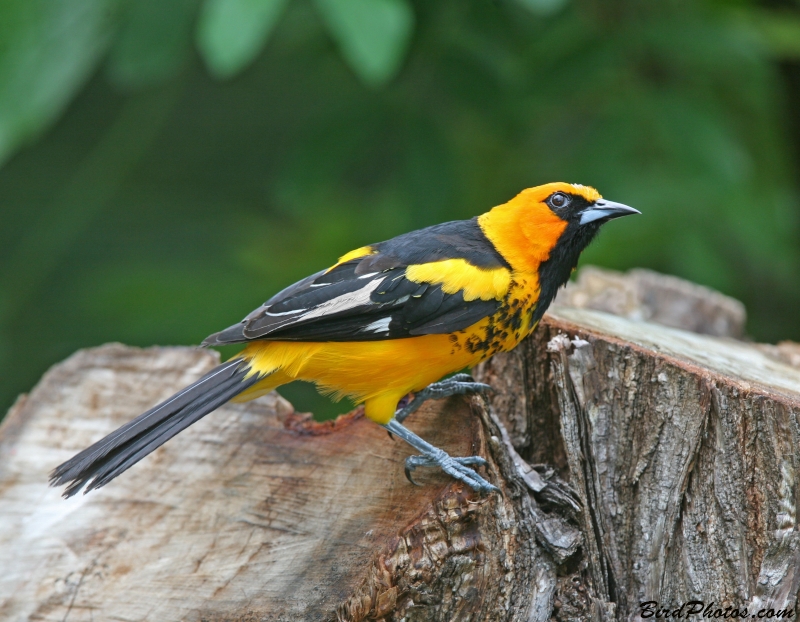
x=458 y=468
x=410 y=469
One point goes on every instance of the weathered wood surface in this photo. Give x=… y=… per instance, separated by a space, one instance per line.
x=681 y=447
x=684 y=450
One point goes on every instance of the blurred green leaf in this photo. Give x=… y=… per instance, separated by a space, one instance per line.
x=543 y=7
x=154 y=42
x=780 y=30
x=373 y=35
x=32 y=257
x=48 y=49
x=230 y=33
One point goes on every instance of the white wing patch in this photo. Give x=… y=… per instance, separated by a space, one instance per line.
x=379 y=326
x=293 y=311
x=350 y=300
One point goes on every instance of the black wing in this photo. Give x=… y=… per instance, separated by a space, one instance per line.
x=369 y=297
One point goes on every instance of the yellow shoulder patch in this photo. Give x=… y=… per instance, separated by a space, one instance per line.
x=359 y=252
x=456 y=275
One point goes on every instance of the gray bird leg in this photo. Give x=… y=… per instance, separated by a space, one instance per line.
x=435 y=457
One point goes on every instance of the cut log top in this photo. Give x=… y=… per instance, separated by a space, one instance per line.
x=718 y=356
x=680 y=451
x=644 y=295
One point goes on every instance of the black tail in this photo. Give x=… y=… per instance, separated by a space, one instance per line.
x=124 y=447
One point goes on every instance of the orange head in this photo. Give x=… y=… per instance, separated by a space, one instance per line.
x=553 y=219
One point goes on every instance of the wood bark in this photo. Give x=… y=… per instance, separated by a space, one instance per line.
x=636 y=462
x=683 y=450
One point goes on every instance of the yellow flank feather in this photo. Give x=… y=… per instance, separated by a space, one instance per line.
x=456 y=275
x=378 y=373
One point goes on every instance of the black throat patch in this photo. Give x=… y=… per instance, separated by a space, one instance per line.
x=556 y=270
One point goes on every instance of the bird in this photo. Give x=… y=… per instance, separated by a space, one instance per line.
x=384 y=325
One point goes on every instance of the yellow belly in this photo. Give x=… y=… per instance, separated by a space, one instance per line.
x=380 y=373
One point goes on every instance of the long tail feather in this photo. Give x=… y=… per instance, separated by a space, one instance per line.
x=97 y=465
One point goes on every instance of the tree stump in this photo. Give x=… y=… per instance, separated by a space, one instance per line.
x=635 y=462
x=683 y=450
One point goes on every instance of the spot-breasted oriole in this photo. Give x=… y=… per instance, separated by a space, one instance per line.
x=386 y=320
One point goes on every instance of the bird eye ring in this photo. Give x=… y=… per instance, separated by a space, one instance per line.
x=558 y=200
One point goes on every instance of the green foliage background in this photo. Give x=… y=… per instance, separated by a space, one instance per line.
x=169 y=165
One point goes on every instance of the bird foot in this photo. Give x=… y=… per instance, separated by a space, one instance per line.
x=459 y=384
x=458 y=468
x=455 y=467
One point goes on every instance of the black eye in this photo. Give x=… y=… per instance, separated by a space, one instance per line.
x=558 y=200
